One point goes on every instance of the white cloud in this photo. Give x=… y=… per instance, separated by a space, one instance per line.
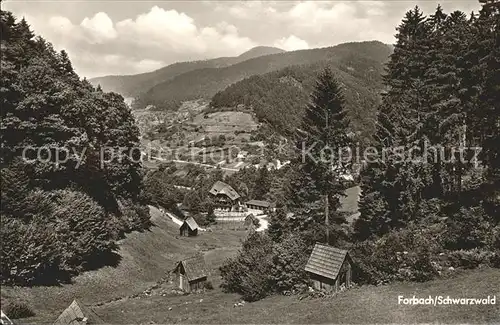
x=149 y=41
x=291 y=43
x=99 y=28
x=139 y=36
x=61 y=24
x=170 y=30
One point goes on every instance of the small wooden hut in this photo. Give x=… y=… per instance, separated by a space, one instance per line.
x=4 y=320
x=191 y=274
x=78 y=314
x=329 y=268
x=249 y=222
x=189 y=227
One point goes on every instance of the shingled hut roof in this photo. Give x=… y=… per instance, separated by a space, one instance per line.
x=194 y=267
x=223 y=188
x=191 y=223
x=4 y=320
x=78 y=314
x=326 y=261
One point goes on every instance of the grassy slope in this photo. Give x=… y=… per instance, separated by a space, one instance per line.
x=367 y=304
x=145 y=258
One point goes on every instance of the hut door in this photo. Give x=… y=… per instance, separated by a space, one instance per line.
x=181 y=281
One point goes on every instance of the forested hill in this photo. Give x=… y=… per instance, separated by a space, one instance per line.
x=64 y=200
x=204 y=83
x=133 y=85
x=279 y=98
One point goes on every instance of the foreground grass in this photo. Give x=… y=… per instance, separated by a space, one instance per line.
x=147 y=257
x=366 y=304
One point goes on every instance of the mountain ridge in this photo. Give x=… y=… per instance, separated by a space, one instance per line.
x=134 y=84
x=206 y=82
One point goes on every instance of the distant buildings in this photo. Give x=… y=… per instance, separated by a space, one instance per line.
x=242 y=155
x=189 y=227
x=275 y=164
x=329 y=268
x=191 y=274
x=262 y=206
x=225 y=197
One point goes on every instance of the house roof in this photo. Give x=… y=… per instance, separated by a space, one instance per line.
x=194 y=267
x=223 y=188
x=4 y=320
x=259 y=203
x=191 y=223
x=78 y=314
x=326 y=261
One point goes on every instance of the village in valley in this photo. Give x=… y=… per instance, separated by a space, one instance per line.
x=267 y=187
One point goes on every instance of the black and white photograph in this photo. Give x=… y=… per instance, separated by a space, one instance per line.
x=250 y=162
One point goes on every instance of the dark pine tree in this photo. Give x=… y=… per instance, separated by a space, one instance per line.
x=322 y=146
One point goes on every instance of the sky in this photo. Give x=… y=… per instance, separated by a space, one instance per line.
x=129 y=37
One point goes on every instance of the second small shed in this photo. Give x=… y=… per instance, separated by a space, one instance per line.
x=191 y=274
x=329 y=268
x=189 y=227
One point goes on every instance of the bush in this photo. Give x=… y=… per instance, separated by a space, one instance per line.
x=400 y=255
x=208 y=285
x=256 y=222
x=18 y=309
x=134 y=216
x=467 y=229
x=470 y=259
x=495 y=260
x=81 y=229
x=200 y=219
x=249 y=273
x=64 y=239
x=30 y=251
x=289 y=260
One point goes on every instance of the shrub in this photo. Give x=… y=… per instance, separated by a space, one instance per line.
x=470 y=259
x=81 y=229
x=467 y=229
x=210 y=218
x=65 y=238
x=18 y=309
x=249 y=273
x=495 y=260
x=201 y=220
x=289 y=260
x=134 y=216
x=208 y=285
x=400 y=255
x=30 y=252
x=256 y=222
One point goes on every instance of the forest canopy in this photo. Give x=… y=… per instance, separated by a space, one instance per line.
x=47 y=200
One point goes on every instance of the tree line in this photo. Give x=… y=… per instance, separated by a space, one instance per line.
x=61 y=216
x=420 y=217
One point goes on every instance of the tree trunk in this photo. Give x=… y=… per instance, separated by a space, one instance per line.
x=327 y=220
